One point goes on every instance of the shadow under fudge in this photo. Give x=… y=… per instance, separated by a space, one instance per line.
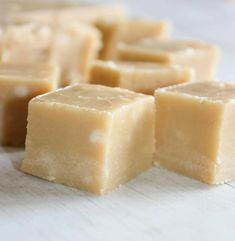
x=14 y=119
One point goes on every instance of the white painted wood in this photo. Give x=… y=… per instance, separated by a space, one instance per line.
x=158 y=205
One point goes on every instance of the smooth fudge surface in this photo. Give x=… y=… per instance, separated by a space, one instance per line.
x=19 y=83
x=201 y=56
x=72 y=47
x=195 y=132
x=91 y=137
x=128 y=31
x=140 y=77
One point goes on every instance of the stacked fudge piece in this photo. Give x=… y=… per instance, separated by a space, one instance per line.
x=131 y=97
x=19 y=83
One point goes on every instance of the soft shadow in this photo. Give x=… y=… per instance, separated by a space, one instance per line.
x=14 y=121
x=16 y=155
x=161 y=185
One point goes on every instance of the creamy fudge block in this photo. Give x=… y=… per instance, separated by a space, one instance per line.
x=72 y=47
x=129 y=31
x=91 y=137
x=195 y=130
x=19 y=83
x=201 y=56
x=140 y=77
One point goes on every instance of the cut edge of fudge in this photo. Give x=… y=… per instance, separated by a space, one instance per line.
x=220 y=168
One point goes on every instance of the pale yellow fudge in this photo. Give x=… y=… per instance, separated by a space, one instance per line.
x=72 y=47
x=91 y=137
x=140 y=77
x=201 y=56
x=19 y=83
x=195 y=130
x=129 y=31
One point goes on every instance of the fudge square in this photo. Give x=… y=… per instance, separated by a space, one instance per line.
x=91 y=137
x=201 y=56
x=19 y=83
x=140 y=77
x=195 y=130
x=128 y=31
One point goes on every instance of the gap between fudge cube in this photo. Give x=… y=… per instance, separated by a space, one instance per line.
x=141 y=77
x=91 y=137
x=195 y=130
x=128 y=31
x=201 y=56
x=19 y=83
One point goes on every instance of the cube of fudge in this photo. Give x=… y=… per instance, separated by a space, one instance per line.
x=128 y=31
x=19 y=83
x=194 y=130
x=91 y=137
x=140 y=77
x=201 y=56
x=72 y=47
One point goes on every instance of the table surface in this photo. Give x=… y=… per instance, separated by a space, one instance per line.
x=157 y=205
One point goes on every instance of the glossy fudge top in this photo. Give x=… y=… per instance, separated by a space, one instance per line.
x=28 y=72
x=92 y=97
x=210 y=90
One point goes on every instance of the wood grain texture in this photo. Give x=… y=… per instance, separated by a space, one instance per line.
x=158 y=205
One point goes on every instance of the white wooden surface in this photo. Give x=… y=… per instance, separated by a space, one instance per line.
x=158 y=205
